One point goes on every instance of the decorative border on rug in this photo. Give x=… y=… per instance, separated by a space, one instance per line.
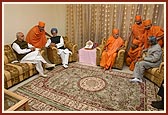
x=62 y=101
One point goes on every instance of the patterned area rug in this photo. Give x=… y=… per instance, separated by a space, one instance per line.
x=87 y=88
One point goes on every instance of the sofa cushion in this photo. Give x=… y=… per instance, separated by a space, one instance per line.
x=11 y=72
x=17 y=72
x=9 y=54
x=17 y=69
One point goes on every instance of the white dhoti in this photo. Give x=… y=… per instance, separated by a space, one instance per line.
x=64 y=54
x=35 y=58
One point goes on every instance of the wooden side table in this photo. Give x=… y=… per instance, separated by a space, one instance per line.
x=14 y=102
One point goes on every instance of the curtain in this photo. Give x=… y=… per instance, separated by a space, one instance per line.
x=95 y=21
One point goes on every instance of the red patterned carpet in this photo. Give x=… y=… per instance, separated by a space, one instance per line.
x=87 y=88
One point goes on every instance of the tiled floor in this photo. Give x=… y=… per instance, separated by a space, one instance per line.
x=125 y=69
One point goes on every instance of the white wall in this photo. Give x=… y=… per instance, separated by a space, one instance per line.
x=22 y=17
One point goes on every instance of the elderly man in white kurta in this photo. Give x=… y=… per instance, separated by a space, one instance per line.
x=26 y=53
x=58 y=42
x=151 y=60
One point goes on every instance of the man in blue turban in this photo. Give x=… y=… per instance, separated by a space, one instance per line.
x=58 y=42
x=151 y=60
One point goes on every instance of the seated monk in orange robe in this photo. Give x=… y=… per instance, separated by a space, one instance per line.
x=134 y=54
x=36 y=36
x=112 y=46
x=155 y=31
x=138 y=29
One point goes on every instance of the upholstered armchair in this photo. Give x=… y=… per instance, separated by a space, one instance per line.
x=53 y=56
x=156 y=75
x=119 y=62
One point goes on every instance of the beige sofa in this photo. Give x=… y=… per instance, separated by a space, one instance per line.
x=156 y=75
x=14 y=73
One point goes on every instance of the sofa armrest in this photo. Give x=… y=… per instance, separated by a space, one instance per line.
x=120 y=58
x=161 y=67
x=72 y=47
x=120 y=53
x=42 y=52
x=53 y=49
x=125 y=45
x=100 y=49
x=52 y=54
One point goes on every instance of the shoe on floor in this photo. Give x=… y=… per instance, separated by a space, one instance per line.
x=43 y=75
x=49 y=65
x=65 y=66
x=136 y=80
x=158 y=104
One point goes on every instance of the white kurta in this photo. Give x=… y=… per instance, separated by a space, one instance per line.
x=64 y=53
x=32 y=57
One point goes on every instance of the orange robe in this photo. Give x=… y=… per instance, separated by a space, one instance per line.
x=36 y=38
x=108 y=57
x=133 y=55
x=138 y=31
x=153 y=31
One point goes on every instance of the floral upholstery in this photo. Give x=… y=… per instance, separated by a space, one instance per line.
x=56 y=59
x=156 y=75
x=119 y=62
x=15 y=72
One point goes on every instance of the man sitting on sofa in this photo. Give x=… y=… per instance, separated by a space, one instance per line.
x=153 y=59
x=58 y=42
x=26 y=53
x=112 y=46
